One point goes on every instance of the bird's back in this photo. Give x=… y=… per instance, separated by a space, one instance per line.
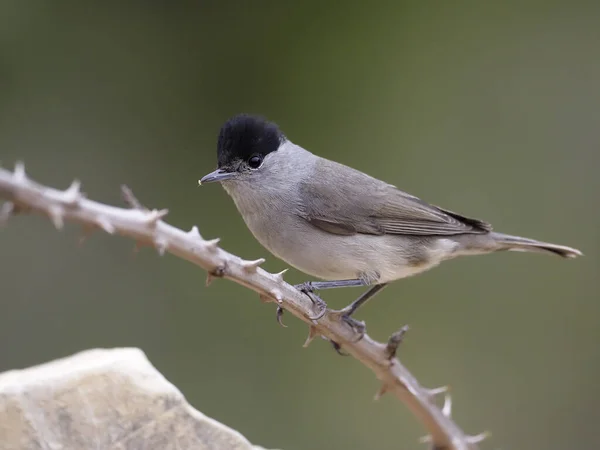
x=347 y=201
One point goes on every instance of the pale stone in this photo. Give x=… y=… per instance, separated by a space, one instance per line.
x=104 y=399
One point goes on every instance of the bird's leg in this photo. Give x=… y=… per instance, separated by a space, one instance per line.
x=346 y=312
x=319 y=285
x=310 y=287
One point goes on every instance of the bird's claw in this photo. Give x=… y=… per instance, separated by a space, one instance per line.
x=279 y=314
x=305 y=287
x=308 y=289
x=338 y=348
x=320 y=304
x=357 y=326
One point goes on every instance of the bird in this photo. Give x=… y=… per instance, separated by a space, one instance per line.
x=338 y=224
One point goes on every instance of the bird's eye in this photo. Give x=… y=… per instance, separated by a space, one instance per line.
x=255 y=161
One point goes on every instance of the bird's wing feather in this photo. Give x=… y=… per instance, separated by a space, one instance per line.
x=344 y=201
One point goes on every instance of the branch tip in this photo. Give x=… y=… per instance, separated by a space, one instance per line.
x=312 y=333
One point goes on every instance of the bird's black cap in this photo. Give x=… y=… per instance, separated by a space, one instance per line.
x=246 y=135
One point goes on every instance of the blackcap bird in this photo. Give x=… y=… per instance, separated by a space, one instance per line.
x=339 y=224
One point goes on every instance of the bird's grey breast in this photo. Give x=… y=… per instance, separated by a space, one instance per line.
x=269 y=200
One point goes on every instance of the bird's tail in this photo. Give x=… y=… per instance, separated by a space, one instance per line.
x=516 y=243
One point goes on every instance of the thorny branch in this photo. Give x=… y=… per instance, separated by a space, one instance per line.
x=146 y=227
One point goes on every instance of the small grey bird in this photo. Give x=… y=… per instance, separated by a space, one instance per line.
x=339 y=224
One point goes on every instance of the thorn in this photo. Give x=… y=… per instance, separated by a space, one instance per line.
x=86 y=232
x=55 y=213
x=478 y=438
x=105 y=224
x=447 y=408
x=312 y=333
x=217 y=273
x=251 y=266
x=6 y=210
x=276 y=293
x=137 y=247
x=394 y=341
x=437 y=391
x=279 y=315
x=130 y=199
x=19 y=173
x=382 y=391
x=72 y=194
x=425 y=440
x=265 y=298
x=152 y=217
x=212 y=244
x=279 y=275
x=161 y=245
x=194 y=233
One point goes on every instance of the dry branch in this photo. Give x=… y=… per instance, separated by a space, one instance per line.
x=146 y=227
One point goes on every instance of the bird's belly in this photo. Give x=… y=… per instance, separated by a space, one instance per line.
x=304 y=248
x=320 y=262
x=313 y=257
x=334 y=257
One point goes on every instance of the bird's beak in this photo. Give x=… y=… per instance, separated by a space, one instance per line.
x=218 y=175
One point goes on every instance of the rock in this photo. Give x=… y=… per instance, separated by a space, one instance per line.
x=104 y=399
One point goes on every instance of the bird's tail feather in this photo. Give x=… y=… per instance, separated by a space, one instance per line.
x=516 y=243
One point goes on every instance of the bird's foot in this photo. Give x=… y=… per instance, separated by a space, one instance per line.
x=308 y=289
x=305 y=287
x=279 y=314
x=357 y=326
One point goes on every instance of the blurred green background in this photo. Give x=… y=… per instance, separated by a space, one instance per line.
x=488 y=109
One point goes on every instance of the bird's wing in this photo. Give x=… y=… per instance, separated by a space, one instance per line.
x=344 y=201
